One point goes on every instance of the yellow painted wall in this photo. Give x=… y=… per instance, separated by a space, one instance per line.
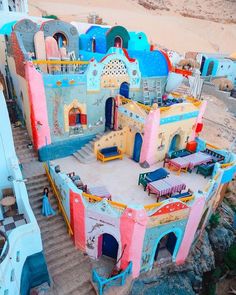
x=168 y=131
x=169 y=217
x=113 y=138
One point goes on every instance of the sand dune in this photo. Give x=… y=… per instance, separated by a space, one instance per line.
x=165 y=27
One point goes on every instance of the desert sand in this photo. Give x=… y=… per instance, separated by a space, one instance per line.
x=166 y=24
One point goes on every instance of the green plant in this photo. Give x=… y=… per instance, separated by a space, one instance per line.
x=215 y=219
x=50 y=16
x=230 y=257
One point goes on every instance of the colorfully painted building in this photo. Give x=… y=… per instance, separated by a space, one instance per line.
x=137 y=232
x=105 y=87
x=22 y=262
x=49 y=88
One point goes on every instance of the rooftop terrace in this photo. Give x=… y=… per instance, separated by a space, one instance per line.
x=120 y=177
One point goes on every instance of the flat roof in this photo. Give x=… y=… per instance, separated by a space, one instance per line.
x=120 y=177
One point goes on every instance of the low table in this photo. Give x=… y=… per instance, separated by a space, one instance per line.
x=159 y=188
x=99 y=191
x=8 y=202
x=166 y=186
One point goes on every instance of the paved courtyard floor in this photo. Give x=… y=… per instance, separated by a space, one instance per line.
x=120 y=177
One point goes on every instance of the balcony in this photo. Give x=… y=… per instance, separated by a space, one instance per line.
x=61 y=67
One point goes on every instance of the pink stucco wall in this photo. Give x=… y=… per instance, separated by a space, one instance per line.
x=199 y=118
x=150 y=137
x=132 y=229
x=192 y=224
x=77 y=216
x=38 y=107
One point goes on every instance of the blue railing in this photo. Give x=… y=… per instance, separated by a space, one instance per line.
x=118 y=280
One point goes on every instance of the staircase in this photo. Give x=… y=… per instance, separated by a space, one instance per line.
x=69 y=268
x=21 y=140
x=86 y=154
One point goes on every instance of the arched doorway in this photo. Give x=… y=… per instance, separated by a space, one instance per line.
x=138 y=141
x=166 y=247
x=210 y=68
x=108 y=246
x=93 y=45
x=118 y=42
x=202 y=64
x=124 y=89
x=174 y=144
x=109 y=113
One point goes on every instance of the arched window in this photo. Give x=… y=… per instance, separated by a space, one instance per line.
x=76 y=117
x=118 y=42
x=61 y=39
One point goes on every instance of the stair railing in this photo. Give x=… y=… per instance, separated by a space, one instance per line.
x=57 y=194
x=117 y=280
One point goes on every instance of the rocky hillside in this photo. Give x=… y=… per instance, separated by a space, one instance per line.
x=198 y=274
x=214 y=10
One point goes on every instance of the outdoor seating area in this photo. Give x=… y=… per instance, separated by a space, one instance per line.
x=8 y=206
x=166 y=187
x=188 y=163
x=145 y=178
x=126 y=181
x=109 y=153
x=77 y=181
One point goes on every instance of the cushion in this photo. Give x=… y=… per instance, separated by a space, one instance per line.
x=109 y=150
x=156 y=175
x=111 y=154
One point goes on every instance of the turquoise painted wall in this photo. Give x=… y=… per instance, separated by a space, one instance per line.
x=58 y=96
x=64 y=185
x=154 y=235
x=138 y=41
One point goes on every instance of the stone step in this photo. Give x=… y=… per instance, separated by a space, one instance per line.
x=66 y=261
x=38 y=191
x=81 y=286
x=78 y=283
x=68 y=266
x=53 y=227
x=52 y=251
x=83 y=160
x=21 y=141
x=58 y=255
x=87 y=150
x=48 y=243
x=44 y=226
x=54 y=234
x=33 y=179
x=16 y=131
x=41 y=219
x=89 y=146
x=36 y=184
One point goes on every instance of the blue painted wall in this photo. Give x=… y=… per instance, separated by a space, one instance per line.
x=34 y=273
x=154 y=235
